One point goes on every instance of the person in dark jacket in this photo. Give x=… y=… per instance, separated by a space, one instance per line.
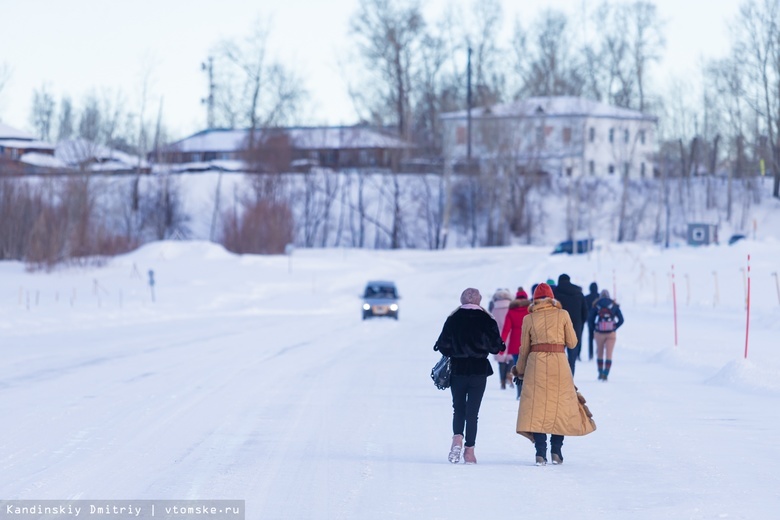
x=573 y=301
x=469 y=335
x=590 y=299
x=607 y=319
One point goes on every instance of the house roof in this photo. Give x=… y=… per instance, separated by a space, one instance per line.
x=308 y=138
x=42 y=160
x=9 y=132
x=26 y=144
x=554 y=106
x=76 y=152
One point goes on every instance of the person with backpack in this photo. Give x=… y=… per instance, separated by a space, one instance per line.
x=606 y=318
x=573 y=301
x=590 y=298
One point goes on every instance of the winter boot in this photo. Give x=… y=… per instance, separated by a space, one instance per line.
x=607 y=366
x=468 y=455
x=541 y=461
x=600 y=363
x=455 y=449
x=540 y=441
x=555 y=454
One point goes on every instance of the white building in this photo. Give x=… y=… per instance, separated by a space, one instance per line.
x=557 y=135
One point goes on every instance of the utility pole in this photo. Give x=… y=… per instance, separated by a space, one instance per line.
x=468 y=112
x=209 y=101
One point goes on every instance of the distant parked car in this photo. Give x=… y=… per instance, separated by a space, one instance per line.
x=380 y=298
x=574 y=246
x=736 y=238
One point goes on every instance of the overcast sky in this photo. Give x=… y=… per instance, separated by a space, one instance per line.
x=80 y=45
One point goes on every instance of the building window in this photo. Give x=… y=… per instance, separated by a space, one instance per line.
x=539 y=136
x=568 y=171
x=566 y=135
x=611 y=169
x=611 y=135
x=625 y=136
x=460 y=135
x=591 y=168
x=642 y=170
x=626 y=167
x=592 y=134
x=642 y=136
x=196 y=157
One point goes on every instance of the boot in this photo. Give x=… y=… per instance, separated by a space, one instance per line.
x=600 y=363
x=540 y=441
x=468 y=455
x=455 y=449
x=607 y=366
x=541 y=461
x=555 y=454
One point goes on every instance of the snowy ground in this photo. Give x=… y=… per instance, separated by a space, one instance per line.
x=254 y=378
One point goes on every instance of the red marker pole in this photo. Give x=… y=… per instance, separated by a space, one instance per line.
x=747 y=321
x=674 y=304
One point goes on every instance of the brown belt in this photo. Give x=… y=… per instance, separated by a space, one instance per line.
x=548 y=347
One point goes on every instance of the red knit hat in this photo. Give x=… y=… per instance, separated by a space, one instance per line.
x=521 y=294
x=543 y=291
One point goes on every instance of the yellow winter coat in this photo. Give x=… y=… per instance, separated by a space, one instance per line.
x=549 y=403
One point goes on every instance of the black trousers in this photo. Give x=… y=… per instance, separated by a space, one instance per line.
x=467 y=392
x=573 y=354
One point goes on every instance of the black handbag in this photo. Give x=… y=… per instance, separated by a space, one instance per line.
x=440 y=373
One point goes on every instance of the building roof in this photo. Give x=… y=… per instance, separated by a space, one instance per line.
x=26 y=144
x=308 y=138
x=9 y=132
x=77 y=152
x=554 y=106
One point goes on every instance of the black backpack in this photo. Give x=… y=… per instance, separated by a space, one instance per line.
x=605 y=317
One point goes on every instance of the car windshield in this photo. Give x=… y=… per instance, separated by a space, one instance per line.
x=379 y=291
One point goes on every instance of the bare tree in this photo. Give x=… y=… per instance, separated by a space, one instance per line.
x=545 y=63
x=253 y=89
x=757 y=33
x=42 y=112
x=388 y=35
x=5 y=77
x=65 y=126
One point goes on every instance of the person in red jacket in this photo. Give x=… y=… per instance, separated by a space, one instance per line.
x=513 y=325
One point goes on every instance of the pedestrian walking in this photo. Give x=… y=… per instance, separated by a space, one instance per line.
x=512 y=332
x=607 y=318
x=549 y=402
x=590 y=298
x=573 y=301
x=469 y=335
x=499 y=307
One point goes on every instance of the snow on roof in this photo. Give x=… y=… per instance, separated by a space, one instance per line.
x=555 y=106
x=311 y=138
x=25 y=144
x=76 y=152
x=342 y=138
x=9 y=132
x=42 y=159
x=217 y=140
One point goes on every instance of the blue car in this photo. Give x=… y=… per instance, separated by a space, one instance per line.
x=380 y=298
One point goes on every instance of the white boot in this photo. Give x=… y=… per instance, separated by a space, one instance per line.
x=455 y=449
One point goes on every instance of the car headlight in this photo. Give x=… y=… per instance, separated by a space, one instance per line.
x=366 y=307
x=393 y=307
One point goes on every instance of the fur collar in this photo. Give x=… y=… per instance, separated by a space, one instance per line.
x=520 y=302
x=544 y=303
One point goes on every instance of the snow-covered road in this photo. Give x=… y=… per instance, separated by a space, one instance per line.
x=254 y=378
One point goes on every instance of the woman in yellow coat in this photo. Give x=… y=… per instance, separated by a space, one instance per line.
x=549 y=402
